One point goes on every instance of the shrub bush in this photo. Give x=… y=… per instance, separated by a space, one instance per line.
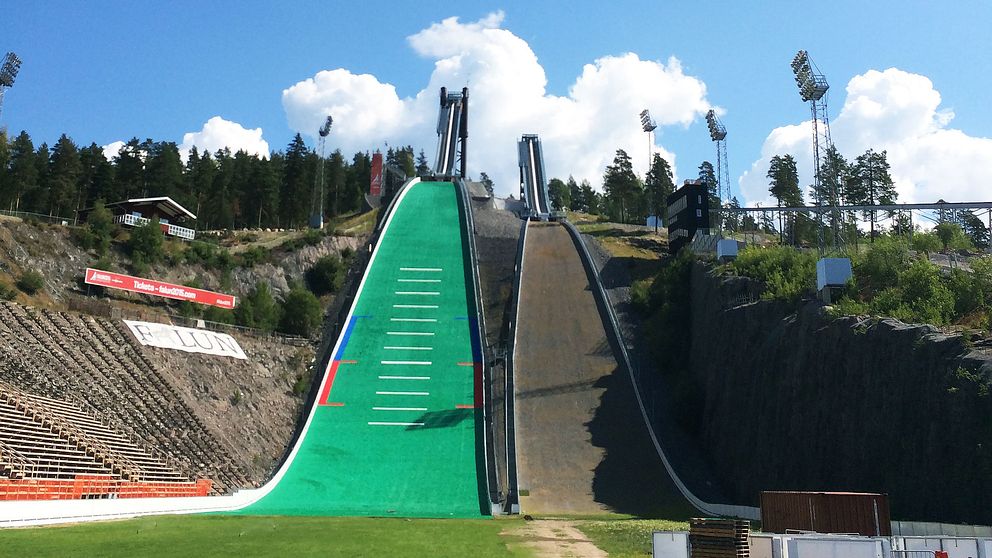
x=31 y=282
x=7 y=292
x=326 y=275
x=146 y=243
x=301 y=313
x=786 y=272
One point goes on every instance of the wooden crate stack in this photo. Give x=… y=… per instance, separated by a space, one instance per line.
x=719 y=538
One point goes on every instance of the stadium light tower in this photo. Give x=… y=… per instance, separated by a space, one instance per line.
x=813 y=88
x=8 y=73
x=317 y=199
x=648 y=125
x=718 y=133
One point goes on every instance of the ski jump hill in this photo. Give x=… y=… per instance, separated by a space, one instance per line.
x=400 y=422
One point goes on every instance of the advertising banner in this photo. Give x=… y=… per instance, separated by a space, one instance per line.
x=165 y=336
x=375 y=188
x=158 y=288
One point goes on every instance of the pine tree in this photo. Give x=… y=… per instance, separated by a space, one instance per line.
x=558 y=191
x=658 y=185
x=871 y=184
x=732 y=221
x=129 y=171
x=423 y=167
x=833 y=175
x=621 y=186
x=336 y=174
x=23 y=174
x=63 y=181
x=487 y=183
x=96 y=177
x=164 y=172
x=36 y=199
x=784 y=187
x=295 y=206
x=574 y=195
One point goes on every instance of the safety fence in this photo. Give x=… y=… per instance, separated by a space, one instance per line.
x=86 y=487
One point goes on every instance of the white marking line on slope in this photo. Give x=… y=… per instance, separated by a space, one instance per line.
x=404 y=377
x=396 y=424
x=419 y=280
x=408 y=333
x=406 y=362
x=399 y=408
x=414 y=306
x=431 y=269
x=413 y=319
x=421 y=293
x=418 y=393
x=409 y=348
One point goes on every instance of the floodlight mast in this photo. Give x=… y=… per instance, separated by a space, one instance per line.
x=8 y=73
x=648 y=125
x=317 y=207
x=718 y=133
x=813 y=88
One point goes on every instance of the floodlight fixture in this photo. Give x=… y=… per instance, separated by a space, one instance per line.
x=9 y=68
x=647 y=123
x=812 y=85
x=326 y=128
x=717 y=130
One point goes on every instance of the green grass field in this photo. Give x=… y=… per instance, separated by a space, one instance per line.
x=299 y=537
x=260 y=536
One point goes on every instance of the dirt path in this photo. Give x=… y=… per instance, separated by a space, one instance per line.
x=554 y=539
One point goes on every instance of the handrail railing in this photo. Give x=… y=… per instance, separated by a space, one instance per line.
x=492 y=480
x=512 y=491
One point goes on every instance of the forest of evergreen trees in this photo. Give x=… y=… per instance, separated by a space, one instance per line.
x=224 y=189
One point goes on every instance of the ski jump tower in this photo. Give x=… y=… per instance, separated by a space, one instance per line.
x=452 y=134
x=533 y=185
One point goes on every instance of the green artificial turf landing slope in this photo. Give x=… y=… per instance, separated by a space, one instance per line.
x=394 y=432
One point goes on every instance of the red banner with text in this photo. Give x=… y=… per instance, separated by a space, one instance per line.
x=151 y=287
x=375 y=188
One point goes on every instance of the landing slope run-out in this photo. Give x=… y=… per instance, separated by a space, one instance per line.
x=394 y=431
x=582 y=445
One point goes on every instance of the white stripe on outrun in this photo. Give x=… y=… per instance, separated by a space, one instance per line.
x=419 y=280
x=407 y=362
x=408 y=333
x=399 y=408
x=421 y=293
x=413 y=319
x=419 y=393
x=396 y=424
x=409 y=348
x=431 y=269
x=404 y=377
x=414 y=306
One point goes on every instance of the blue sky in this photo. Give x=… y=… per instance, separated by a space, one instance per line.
x=107 y=71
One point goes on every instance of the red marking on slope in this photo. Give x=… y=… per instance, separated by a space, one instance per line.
x=466 y=364
x=334 y=404
x=464 y=406
x=328 y=383
x=348 y=361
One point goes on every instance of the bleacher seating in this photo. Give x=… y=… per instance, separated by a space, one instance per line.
x=88 y=378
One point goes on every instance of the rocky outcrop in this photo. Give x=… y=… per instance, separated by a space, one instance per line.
x=794 y=399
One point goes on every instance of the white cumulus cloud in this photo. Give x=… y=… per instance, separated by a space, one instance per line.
x=218 y=133
x=580 y=131
x=112 y=149
x=899 y=112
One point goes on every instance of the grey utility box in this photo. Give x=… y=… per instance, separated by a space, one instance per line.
x=832 y=274
x=726 y=249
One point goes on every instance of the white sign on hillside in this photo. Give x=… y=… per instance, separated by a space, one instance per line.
x=186 y=339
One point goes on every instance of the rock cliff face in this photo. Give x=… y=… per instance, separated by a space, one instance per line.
x=796 y=400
